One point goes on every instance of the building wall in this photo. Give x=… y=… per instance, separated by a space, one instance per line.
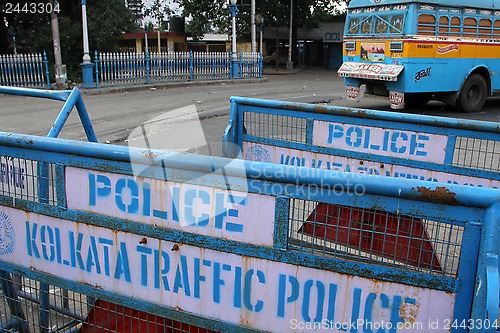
x=321 y=46
x=168 y=43
x=332 y=40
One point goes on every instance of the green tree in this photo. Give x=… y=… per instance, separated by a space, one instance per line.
x=213 y=16
x=204 y=16
x=159 y=10
x=107 y=20
x=136 y=7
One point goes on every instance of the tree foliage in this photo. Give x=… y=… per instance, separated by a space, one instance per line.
x=159 y=10
x=213 y=16
x=204 y=16
x=107 y=19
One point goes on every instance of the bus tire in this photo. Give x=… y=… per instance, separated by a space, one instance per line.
x=417 y=99
x=473 y=94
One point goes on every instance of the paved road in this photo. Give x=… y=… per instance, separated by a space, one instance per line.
x=115 y=116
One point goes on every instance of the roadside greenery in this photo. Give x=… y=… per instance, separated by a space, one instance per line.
x=26 y=32
x=208 y=16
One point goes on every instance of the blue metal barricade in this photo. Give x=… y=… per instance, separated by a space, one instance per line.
x=236 y=246
x=437 y=149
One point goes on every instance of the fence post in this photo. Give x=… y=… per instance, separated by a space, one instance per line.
x=147 y=60
x=231 y=68
x=240 y=64
x=96 y=59
x=47 y=75
x=191 y=66
x=260 y=64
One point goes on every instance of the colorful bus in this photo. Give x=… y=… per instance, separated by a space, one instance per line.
x=415 y=51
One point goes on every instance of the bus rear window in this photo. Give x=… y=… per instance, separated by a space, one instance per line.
x=381 y=25
x=385 y=23
x=397 y=24
x=353 y=27
x=366 y=26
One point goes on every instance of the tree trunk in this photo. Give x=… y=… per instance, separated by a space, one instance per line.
x=59 y=68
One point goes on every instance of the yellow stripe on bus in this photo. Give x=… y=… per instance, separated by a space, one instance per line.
x=451 y=50
x=440 y=50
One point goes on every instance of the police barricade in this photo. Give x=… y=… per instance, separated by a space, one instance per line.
x=234 y=246
x=178 y=243
x=437 y=149
x=368 y=142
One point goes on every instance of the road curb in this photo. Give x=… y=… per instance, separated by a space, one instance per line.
x=167 y=85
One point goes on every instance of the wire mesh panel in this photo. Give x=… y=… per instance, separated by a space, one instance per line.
x=30 y=306
x=375 y=237
x=276 y=127
x=27 y=305
x=28 y=180
x=477 y=153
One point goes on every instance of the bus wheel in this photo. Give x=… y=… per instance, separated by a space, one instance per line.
x=417 y=99
x=473 y=94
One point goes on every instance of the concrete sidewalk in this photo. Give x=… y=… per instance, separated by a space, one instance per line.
x=165 y=85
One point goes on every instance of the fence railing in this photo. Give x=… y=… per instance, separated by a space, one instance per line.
x=24 y=70
x=147 y=68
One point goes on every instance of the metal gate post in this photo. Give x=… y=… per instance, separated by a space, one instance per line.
x=97 y=61
x=47 y=75
x=486 y=294
x=148 y=67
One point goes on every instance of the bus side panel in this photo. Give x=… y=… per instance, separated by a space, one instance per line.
x=444 y=66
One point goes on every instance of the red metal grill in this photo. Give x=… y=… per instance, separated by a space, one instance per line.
x=396 y=237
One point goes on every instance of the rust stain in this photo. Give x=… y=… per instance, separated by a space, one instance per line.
x=149 y=154
x=441 y=195
x=409 y=311
x=322 y=109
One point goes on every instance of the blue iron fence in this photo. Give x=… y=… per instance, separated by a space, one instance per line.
x=24 y=70
x=140 y=68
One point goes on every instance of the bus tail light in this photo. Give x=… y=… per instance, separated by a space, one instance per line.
x=396 y=46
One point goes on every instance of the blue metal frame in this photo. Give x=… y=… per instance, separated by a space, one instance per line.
x=235 y=134
x=486 y=303
x=475 y=209
x=71 y=98
x=403 y=196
